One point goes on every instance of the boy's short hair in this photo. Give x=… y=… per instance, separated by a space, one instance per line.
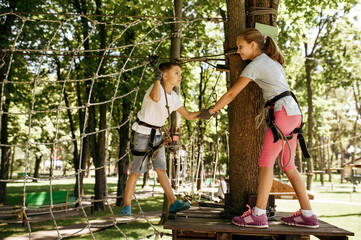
x=168 y=65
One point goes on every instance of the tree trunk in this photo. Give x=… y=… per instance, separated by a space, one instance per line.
x=98 y=145
x=329 y=158
x=319 y=156
x=123 y=162
x=37 y=166
x=5 y=152
x=341 y=146
x=243 y=165
x=76 y=157
x=123 y=165
x=5 y=29
x=356 y=90
x=85 y=146
x=309 y=120
x=322 y=163
x=200 y=166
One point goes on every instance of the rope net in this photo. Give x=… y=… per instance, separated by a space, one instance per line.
x=66 y=84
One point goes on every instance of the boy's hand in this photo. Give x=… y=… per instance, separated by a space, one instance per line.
x=205 y=114
x=158 y=75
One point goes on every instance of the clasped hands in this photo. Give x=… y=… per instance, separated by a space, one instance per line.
x=205 y=114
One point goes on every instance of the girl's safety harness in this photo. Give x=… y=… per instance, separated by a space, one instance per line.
x=277 y=133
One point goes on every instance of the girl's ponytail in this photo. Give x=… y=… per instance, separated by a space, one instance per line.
x=272 y=50
x=264 y=42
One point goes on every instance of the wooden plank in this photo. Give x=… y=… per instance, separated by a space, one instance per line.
x=190 y=223
x=224 y=236
x=289 y=237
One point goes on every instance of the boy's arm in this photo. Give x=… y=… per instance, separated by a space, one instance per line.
x=188 y=115
x=155 y=94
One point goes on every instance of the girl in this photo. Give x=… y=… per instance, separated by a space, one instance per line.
x=266 y=69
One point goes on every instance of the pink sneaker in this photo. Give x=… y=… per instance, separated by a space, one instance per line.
x=249 y=219
x=299 y=220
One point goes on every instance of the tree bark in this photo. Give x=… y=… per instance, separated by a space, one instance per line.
x=37 y=165
x=98 y=145
x=309 y=120
x=341 y=146
x=5 y=29
x=5 y=152
x=123 y=162
x=243 y=164
x=329 y=158
x=85 y=146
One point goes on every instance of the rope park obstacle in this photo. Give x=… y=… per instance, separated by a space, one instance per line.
x=59 y=28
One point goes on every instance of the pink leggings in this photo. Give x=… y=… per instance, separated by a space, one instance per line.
x=270 y=150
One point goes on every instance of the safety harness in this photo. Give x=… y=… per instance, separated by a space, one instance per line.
x=152 y=150
x=277 y=133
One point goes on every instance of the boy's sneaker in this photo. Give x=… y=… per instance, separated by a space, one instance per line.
x=178 y=206
x=125 y=211
x=299 y=220
x=249 y=219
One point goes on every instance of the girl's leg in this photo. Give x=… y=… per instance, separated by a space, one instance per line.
x=164 y=181
x=129 y=188
x=300 y=189
x=270 y=151
x=264 y=186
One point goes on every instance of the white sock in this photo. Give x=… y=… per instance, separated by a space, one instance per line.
x=258 y=211
x=307 y=213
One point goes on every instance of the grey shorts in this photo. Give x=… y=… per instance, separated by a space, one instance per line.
x=141 y=142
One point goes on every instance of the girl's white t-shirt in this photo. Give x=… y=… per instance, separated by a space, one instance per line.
x=156 y=113
x=271 y=78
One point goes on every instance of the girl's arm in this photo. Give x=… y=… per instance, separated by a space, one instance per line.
x=155 y=94
x=231 y=94
x=186 y=114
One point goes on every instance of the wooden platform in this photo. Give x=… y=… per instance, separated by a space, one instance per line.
x=206 y=223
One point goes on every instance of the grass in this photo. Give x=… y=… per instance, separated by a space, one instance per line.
x=147 y=204
x=135 y=230
x=15 y=197
x=334 y=203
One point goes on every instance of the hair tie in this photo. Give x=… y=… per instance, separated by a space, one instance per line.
x=264 y=38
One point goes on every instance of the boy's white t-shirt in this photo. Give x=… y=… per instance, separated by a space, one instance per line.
x=156 y=113
x=271 y=78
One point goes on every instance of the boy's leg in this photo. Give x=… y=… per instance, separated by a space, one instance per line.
x=129 y=188
x=164 y=181
x=264 y=186
x=300 y=189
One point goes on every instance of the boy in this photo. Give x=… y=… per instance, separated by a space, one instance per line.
x=147 y=134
